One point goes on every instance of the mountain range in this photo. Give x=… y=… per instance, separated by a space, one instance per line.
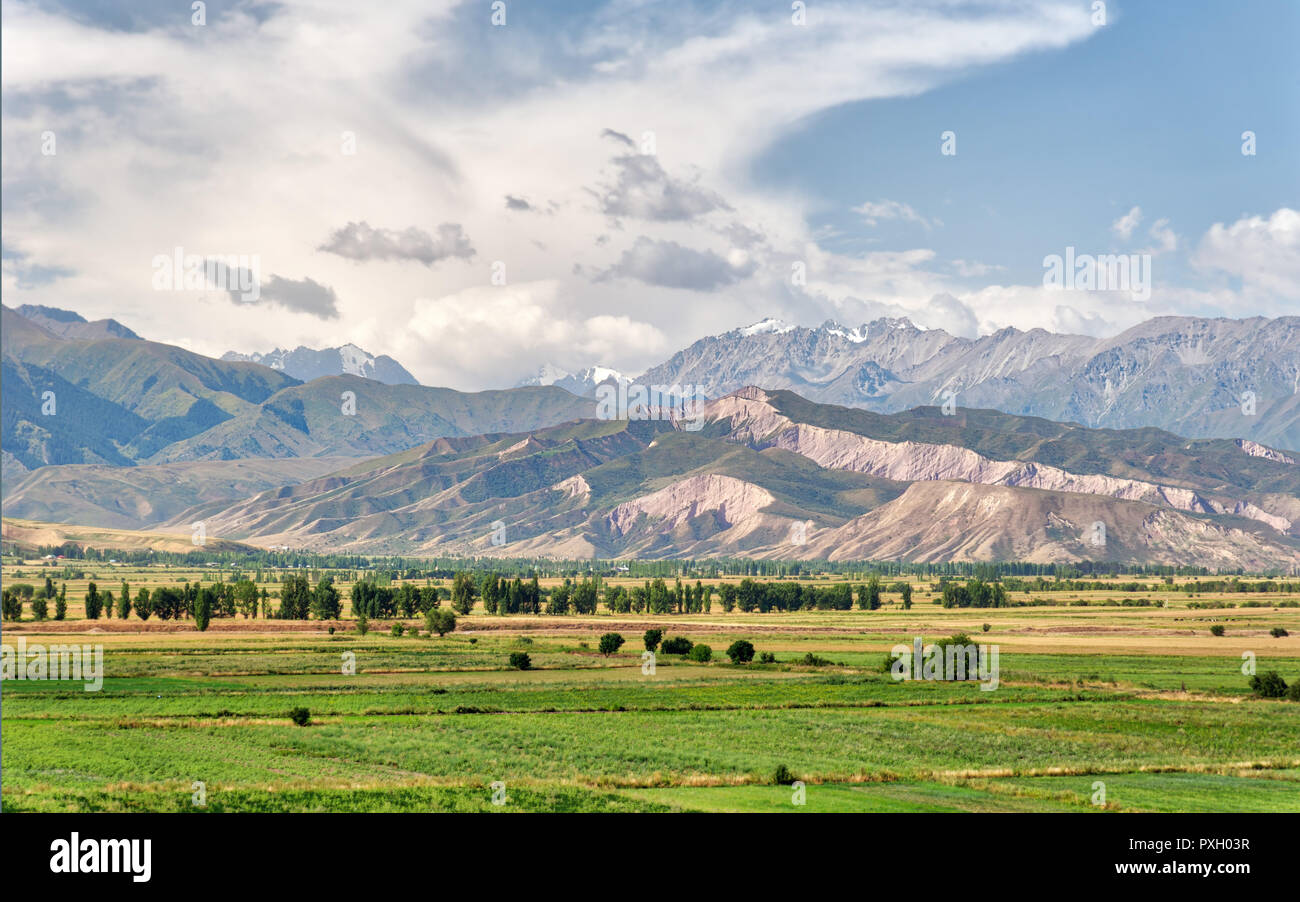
x=582 y=383
x=125 y=402
x=306 y=364
x=1212 y=378
x=67 y=324
x=773 y=475
x=879 y=441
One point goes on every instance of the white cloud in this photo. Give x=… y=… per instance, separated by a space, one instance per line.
x=1124 y=226
x=227 y=140
x=1165 y=239
x=873 y=213
x=1263 y=253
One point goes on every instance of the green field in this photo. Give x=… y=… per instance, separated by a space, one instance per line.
x=1144 y=700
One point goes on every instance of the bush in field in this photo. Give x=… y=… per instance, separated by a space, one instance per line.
x=782 y=776
x=1217 y=629
x=519 y=660
x=610 y=643
x=397 y=630
x=652 y=639
x=767 y=658
x=40 y=607
x=812 y=660
x=741 y=651
x=678 y=645
x=702 y=653
x=1293 y=691
x=986 y=627
x=363 y=623
x=300 y=716
x=1277 y=632
x=440 y=620
x=1268 y=685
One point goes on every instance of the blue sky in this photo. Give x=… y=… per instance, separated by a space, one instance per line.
x=605 y=182
x=1053 y=147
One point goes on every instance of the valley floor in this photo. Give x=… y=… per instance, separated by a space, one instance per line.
x=1111 y=709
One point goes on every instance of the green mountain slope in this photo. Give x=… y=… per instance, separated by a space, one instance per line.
x=771 y=475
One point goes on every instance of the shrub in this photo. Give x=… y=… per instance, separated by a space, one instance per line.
x=398 y=629
x=678 y=645
x=782 y=776
x=363 y=624
x=702 y=653
x=767 y=658
x=610 y=643
x=300 y=716
x=1217 y=629
x=1277 y=632
x=440 y=620
x=519 y=660
x=331 y=630
x=812 y=660
x=1293 y=691
x=652 y=639
x=741 y=651
x=986 y=627
x=1268 y=685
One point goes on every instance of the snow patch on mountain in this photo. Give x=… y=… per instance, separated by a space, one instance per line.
x=582 y=383
x=309 y=363
x=766 y=325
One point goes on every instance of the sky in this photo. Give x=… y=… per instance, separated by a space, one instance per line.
x=477 y=189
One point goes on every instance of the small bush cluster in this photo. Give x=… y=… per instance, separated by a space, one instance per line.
x=678 y=645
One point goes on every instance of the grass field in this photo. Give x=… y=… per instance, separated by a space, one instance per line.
x=1143 y=700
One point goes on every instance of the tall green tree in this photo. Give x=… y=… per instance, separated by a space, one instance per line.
x=203 y=608
x=295 y=598
x=93 y=602
x=463 y=591
x=325 y=602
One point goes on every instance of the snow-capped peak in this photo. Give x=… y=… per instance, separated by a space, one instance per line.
x=768 y=324
x=581 y=383
x=856 y=335
x=356 y=361
x=547 y=374
x=598 y=374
